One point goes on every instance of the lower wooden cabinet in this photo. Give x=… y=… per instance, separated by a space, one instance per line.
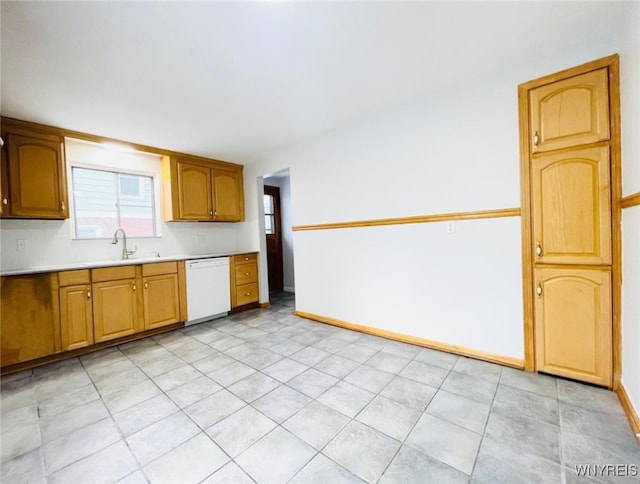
x=29 y=317
x=76 y=317
x=244 y=280
x=161 y=294
x=115 y=309
x=573 y=323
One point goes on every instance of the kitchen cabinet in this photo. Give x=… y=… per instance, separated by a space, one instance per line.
x=29 y=317
x=244 y=280
x=160 y=294
x=34 y=183
x=76 y=309
x=201 y=190
x=115 y=302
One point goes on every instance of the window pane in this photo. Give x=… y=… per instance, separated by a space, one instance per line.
x=95 y=203
x=136 y=212
x=268 y=204
x=130 y=186
x=269 y=225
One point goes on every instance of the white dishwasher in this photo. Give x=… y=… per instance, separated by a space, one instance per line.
x=208 y=289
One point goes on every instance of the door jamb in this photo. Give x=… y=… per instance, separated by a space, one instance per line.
x=612 y=63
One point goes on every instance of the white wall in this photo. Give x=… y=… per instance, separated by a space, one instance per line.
x=455 y=151
x=630 y=113
x=284 y=183
x=51 y=242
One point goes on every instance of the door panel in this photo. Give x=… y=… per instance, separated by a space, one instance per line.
x=572 y=207
x=274 y=240
x=228 y=195
x=573 y=324
x=161 y=304
x=36 y=178
x=571 y=112
x=114 y=309
x=194 y=192
x=75 y=317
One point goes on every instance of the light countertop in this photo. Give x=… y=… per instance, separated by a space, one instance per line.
x=108 y=263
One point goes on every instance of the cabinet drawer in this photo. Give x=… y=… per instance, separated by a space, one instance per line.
x=113 y=273
x=156 y=268
x=247 y=293
x=245 y=259
x=246 y=274
x=72 y=278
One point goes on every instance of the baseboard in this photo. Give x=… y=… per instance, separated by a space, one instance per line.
x=265 y=304
x=289 y=289
x=632 y=415
x=458 y=350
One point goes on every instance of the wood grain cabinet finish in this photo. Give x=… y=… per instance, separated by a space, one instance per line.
x=161 y=294
x=244 y=280
x=570 y=112
x=35 y=176
x=573 y=324
x=202 y=191
x=572 y=207
x=115 y=309
x=76 y=309
x=29 y=318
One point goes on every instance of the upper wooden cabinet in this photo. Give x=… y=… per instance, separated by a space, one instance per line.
x=571 y=112
x=202 y=191
x=34 y=181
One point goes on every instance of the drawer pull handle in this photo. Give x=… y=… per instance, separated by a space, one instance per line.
x=246 y=258
x=536 y=139
x=247 y=294
x=247 y=273
x=538 y=249
x=539 y=290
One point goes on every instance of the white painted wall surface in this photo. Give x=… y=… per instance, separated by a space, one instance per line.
x=456 y=151
x=630 y=114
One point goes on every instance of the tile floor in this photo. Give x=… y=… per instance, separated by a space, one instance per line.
x=268 y=397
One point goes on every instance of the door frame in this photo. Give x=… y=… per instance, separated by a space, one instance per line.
x=528 y=284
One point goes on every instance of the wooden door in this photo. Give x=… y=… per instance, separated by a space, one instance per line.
x=570 y=112
x=570 y=188
x=571 y=193
x=228 y=203
x=273 y=234
x=76 y=317
x=193 y=192
x=115 y=311
x=573 y=323
x=161 y=303
x=37 y=180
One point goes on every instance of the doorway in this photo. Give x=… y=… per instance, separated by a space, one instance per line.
x=273 y=235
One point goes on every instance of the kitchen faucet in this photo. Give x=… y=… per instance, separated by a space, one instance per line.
x=125 y=253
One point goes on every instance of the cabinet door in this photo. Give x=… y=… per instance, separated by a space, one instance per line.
x=37 y=180
x=570 y=112
x=573 y=324
x=76 y=319
x=572 y=207
x=29 y=317
x=4 y=183
x=161 y=301
x=115 y=310
x=193 y=192
x=228 y=195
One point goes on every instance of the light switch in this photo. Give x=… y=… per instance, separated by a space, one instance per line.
x=21 y=245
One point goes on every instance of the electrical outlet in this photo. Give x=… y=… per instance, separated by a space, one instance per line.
x=199 y=239
x=451 y=227
x=22 y=245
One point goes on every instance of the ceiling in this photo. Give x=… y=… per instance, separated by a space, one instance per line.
x=235 y=80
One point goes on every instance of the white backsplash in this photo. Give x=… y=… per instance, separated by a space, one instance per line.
x=49 y=242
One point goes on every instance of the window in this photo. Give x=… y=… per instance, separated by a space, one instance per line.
x=105 y=200
x=269 y=215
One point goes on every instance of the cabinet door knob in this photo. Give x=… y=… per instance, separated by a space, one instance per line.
x=536 y=139
x=146 y=285
x=134 y=287
x=62 y=206
x=5 y=201
x=88 y=294
x=538 y=249
x=539 y=290
x=210 y=213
